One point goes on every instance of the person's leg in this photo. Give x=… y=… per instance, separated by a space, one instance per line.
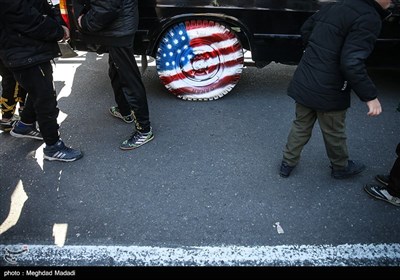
x=41 y=104
x=299 y=135
x=130 y=81
x=123 y=107
x=21 y=97
x=333 y=128
x=9 y=86
x=394 y=177
x=390 y=190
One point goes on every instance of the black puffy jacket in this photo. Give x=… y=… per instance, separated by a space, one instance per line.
x=340 y=37
x=29 y=31
x=110 y=22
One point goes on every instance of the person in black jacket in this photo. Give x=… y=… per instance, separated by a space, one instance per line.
x=29 y=31
x=338 y=38
x=112 y=24
x=389 y=191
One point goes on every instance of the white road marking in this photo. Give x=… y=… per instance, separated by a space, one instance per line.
x=286 y=255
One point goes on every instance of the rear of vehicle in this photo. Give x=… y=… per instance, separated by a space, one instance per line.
x=199 y=45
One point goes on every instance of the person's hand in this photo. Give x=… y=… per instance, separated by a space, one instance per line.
x=66 y=33
x=374 y=107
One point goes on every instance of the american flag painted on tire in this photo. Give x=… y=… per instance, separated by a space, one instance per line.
x=199 y=60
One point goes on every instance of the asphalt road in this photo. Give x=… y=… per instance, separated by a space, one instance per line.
x=206 y=190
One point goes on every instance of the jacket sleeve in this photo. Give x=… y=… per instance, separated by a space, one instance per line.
x=357 y=47
x=100 y=15
x=28 y=21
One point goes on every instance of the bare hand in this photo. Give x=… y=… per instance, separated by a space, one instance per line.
x=374 y=107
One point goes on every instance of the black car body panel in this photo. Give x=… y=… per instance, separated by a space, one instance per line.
x=268 y=28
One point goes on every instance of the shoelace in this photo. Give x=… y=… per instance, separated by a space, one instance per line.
x=136 y=136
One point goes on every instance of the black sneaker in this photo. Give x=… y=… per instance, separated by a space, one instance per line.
x=115 y=112
x=380 y=192
x=352 y=168
x=60 y=152
x=136 y=140
x=383 y=179
x=285 y=169
x=21 y=130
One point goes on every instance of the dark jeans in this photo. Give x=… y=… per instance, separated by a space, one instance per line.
x=41 y=103
x=129 y=91
x=394 y=178
x=12 y=92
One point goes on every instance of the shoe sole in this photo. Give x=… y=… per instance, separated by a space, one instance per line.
x=12 y=133
x=381 y=181
x=132 y=148
x=120 y=117
x=374 y=195
x=60 y=159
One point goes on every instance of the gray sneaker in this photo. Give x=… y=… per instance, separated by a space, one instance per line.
x=21 y=130
x=380 y=192
x=115 y=112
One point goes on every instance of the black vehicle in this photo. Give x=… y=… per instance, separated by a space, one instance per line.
x=199 y=45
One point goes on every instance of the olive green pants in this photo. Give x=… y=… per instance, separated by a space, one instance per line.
x=333 y=128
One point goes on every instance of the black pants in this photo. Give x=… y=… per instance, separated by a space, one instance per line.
x=41 y=103
x=394 y=178
x=129 y=91
x=12 y=92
